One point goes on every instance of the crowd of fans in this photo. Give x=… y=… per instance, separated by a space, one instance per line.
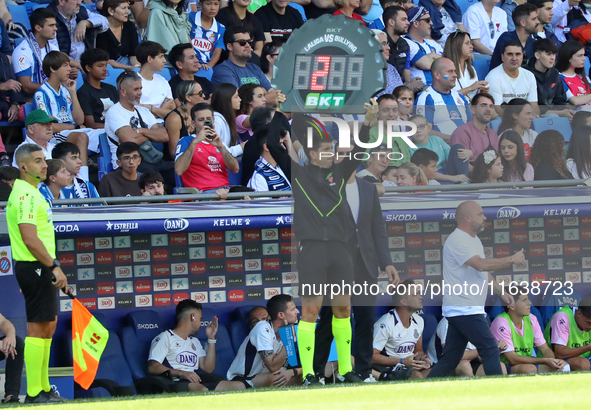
x=210 y=117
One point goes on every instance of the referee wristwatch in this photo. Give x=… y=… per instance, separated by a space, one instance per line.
x=56 y=264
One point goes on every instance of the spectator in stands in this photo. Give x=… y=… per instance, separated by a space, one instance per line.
x=207 y=36
x=393 y=79
x=346 y=8
x=551 y=93
x=236 y=16
x=510 y=80
x=578 y=156
x=268 y=175
x=8 y=174
x=168 y=24
x=202 y=159
x=560 y=20
x=571 y=65
x=251 y=96
x=388 y=111
x=124 y=180
x=444 y=108
x=426 y=160
x=485 y=23
x=77 y=187
x=569 y=335
x=389 y=177
x=178 y=122
x=476 y=135
x=446 y=16
x=96 y=97
x=423 y=51
x=547 y=157
x=519 y=328
x=76 y=29
x=260 y=358
x=56 y=179
x=408 y=174
x=170 y=347
x=580 y=119
x=27 y=58
x=376 y=164
x=141 y=14
x=185 y=60
x=488 y=168
x=268 y=58
x=459 y=49
x=121 y=39
x=515 y=166
x=11 y=97
x=279 y=20
x=6 y=47
x=151 y=183
x=226 y=103
x=517 y=116
x=545 y=16
x=39 y=132
x=400 y=334
x=156 y=92
x=452 y=162
x=12 y=348
x=405 y=98
x=526 y=22
x=127 y=121
x=58 y=98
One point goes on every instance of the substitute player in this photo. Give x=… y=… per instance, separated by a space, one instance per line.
x=32 y=238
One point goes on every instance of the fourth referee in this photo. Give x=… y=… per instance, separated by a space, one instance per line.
x=32 y=238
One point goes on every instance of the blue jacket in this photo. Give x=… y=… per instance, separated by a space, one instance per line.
x=452 y=8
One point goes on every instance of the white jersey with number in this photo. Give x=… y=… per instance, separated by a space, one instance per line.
x=173 y=351
x=248 y=362
x=390 y=335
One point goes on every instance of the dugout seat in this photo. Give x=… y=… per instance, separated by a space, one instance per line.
x=555 y=299
x=239 y=325
x=497 y=309
x=224 y=351
x=559 y=124
x=429 y=329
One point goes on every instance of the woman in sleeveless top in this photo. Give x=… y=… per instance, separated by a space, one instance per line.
x=178 y=122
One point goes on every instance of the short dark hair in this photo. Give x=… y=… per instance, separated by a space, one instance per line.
x=424 y=156
x=9 y=173
x=585 y=305
x=512 y=43
x=39 y=17
x=200 y=107
x=113 y=4
x=545 y=45
x=53 y=167
x=579 y=120
x=185 y=305
x=514 y=291
x=176 y=54
x=127 y=147
x=231 y=32
x=479 y=96
x=522 y=12
x=539 y=3
x=54 y=60
x=388 y=169
x=261 y=116
x=61 y=150
x=403 y=290
x=149 y=177
x=391 y=13
x=92 y=56
x=278 y=303
x=147 y=49
x=385 y=97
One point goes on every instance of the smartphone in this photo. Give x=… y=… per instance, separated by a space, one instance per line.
x=208 y=123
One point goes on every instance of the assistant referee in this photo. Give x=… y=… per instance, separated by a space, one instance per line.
x=32 y=238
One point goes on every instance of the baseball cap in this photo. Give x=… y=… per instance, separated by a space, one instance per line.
x=416 y=13
x=38 y=116
x=380 y=148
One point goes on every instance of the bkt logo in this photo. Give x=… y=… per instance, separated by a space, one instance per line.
x=176 y=225
x=508 y=212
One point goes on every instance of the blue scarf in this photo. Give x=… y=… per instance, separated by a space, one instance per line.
x=275 y=181
x=39 y=76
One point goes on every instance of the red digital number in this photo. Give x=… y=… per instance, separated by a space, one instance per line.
x=320 y=73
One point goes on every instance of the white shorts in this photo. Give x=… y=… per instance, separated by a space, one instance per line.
x=93 y=137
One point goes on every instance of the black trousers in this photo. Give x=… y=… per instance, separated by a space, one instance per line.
x=14 y=368
x=363 y=307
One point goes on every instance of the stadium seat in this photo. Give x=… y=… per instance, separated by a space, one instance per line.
x=20 y=15
x=429 y=329
x=90 y=7
x=482 y=67
x=224 y=350
x=112 y=74
x=494 y=124
x=464 y=4
x=27 y=109
x=559 y=124
x=379 y=312
x=79 y=80
x=105 y=166
x=235 y=179
x=239 y=325
x=587 y=65
x=554 y=299
x=166 y=73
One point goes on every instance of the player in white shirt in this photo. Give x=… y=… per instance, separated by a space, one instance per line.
x=398 y=337
x=156 y=92
x=261 y=357
x=485 y=23
x=179 y=354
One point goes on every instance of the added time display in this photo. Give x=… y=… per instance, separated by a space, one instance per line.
x=321 y=72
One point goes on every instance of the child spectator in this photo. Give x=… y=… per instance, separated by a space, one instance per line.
x=517 y=116
x=156 y=92
x=426 y=160
x=405 y=97
x=251 y=96
x=515 y=166
x=124 y=180
x=571 y=65
x=56 y=179
x=226 y=102
x=77 y=187
x=151 y=183
x=487 y=168
x=409 y=174
x=389 y=177
x=207 y=36
x=547 y=157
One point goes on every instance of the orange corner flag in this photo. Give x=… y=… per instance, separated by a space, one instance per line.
x=89 y=339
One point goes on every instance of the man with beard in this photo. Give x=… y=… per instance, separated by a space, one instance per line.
x=396 y=22
x=465 y=266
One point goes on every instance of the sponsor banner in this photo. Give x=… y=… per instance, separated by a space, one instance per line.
x=201 y=297
x=106 y=303
x=143 y=301
x=217 y=296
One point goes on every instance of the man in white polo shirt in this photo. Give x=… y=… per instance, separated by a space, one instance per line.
x=485 y=23
x=465 y=266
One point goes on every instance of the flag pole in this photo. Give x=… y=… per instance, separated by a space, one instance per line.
x=65 y=290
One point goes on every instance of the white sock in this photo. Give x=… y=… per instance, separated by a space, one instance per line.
x=83 y=173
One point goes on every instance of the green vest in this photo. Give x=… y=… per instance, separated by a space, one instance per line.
x=523 y=345
x=576 y=338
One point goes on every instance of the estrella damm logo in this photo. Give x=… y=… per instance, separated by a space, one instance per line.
x=324 y=101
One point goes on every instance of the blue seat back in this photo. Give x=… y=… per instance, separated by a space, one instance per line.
x=143 y=326
x=112 y=74
x=552 y=302
x=559 y=124
x=239 y=325
x=235 y=179
x=429 y=329
x=105 y=166
x=223 y=348
x=482 y=67
x=90 y=7
x=494 y=124
x=464 y=4
x=27 y=109
x=20 y=15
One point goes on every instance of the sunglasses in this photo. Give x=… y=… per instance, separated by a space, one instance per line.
x=428 y=19
x=491 y=27
x=243 y=42
x=199 y=93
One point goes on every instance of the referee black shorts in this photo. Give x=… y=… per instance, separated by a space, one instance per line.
x=323 y=262
x=35 y=281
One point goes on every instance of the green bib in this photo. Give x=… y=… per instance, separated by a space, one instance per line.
x=576 y=338
x=523 y=345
